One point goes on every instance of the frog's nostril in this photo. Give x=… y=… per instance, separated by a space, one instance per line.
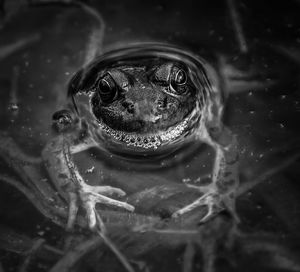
x=162 y=104
x=129 y=106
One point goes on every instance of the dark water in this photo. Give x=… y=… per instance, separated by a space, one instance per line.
x=265 y=118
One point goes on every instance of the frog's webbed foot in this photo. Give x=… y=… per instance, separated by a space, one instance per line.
x=220 y=193
x=210 y=199
x=214 y=202
x=89 y=196
x=205 y=200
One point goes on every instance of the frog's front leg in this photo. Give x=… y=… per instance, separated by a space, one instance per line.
x=220 y=193
x=68 y=181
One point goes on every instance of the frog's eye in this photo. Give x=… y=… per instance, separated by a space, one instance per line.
x=178 y=79
x=107 y=89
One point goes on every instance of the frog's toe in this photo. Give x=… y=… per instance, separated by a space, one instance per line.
x=99 y=198
x=91 y=195
x=209 y=200
x=108 y=190
x=98 y=194
x=215 y=203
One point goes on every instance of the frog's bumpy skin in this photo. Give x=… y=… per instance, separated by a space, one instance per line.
x=202 y=75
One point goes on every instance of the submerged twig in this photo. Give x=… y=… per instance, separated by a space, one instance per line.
x=1 y=267
x=72 y=257
x=7 y=50
x=292 y=53
x=116 y=251
x=176 y=231
x=188 y=257
x=112 y=246
x=47 y=210
x=95 y=43
x=31 y=254
x=10 y=151
x=269 y=173
x=279 y=257
x=236 y=21
x=18 y=243
x=28 y=175
x=75 y=255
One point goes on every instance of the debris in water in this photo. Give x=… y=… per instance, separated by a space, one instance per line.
x=90 y=170
x=13 y=94
x=13 y=107
x=185 y=180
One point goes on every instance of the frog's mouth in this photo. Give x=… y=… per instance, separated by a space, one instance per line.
x=154 y=140
x=151 y=140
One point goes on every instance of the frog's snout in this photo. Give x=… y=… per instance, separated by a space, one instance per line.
x=150 y=110
x=147 y=111
x=129 y=106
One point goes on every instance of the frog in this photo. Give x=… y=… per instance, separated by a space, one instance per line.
x=143 y=100
x=148 y=100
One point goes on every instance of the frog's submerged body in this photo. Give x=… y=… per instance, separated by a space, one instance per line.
x=142 y=101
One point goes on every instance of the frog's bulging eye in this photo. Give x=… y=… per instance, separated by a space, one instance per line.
x=62 y=120
x=107 y=89
x=178 y=79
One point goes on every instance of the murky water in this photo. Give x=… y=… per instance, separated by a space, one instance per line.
x=50 y=45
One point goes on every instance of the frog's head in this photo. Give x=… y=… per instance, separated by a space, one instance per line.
x=143 y=97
